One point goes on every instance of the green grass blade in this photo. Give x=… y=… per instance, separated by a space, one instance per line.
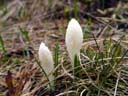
x=2 y=45
x=56 y=58
x=76 y=65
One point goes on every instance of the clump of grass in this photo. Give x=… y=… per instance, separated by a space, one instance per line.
x=100 y=73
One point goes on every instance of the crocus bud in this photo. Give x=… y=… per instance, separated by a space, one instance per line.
x=74 y=39
x=46 y=60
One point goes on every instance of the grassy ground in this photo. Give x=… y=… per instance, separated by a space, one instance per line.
x=25 y=24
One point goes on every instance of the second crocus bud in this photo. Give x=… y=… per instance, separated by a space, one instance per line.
x=46 y=60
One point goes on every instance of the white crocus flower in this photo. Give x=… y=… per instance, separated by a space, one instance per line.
x=74 y=39
x=46 y=60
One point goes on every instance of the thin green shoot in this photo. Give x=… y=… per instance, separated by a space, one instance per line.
x=76 y=65
x=89 y=22
x=49 y=4
x=75 y=7
x=56 y=59
x=66 y=12
x=2 y=47
x=25 y=34
x=86 y=32
x=122 y=57
x=21 y=13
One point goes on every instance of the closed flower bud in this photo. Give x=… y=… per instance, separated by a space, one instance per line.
x=46 y=60
x=73 y=39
